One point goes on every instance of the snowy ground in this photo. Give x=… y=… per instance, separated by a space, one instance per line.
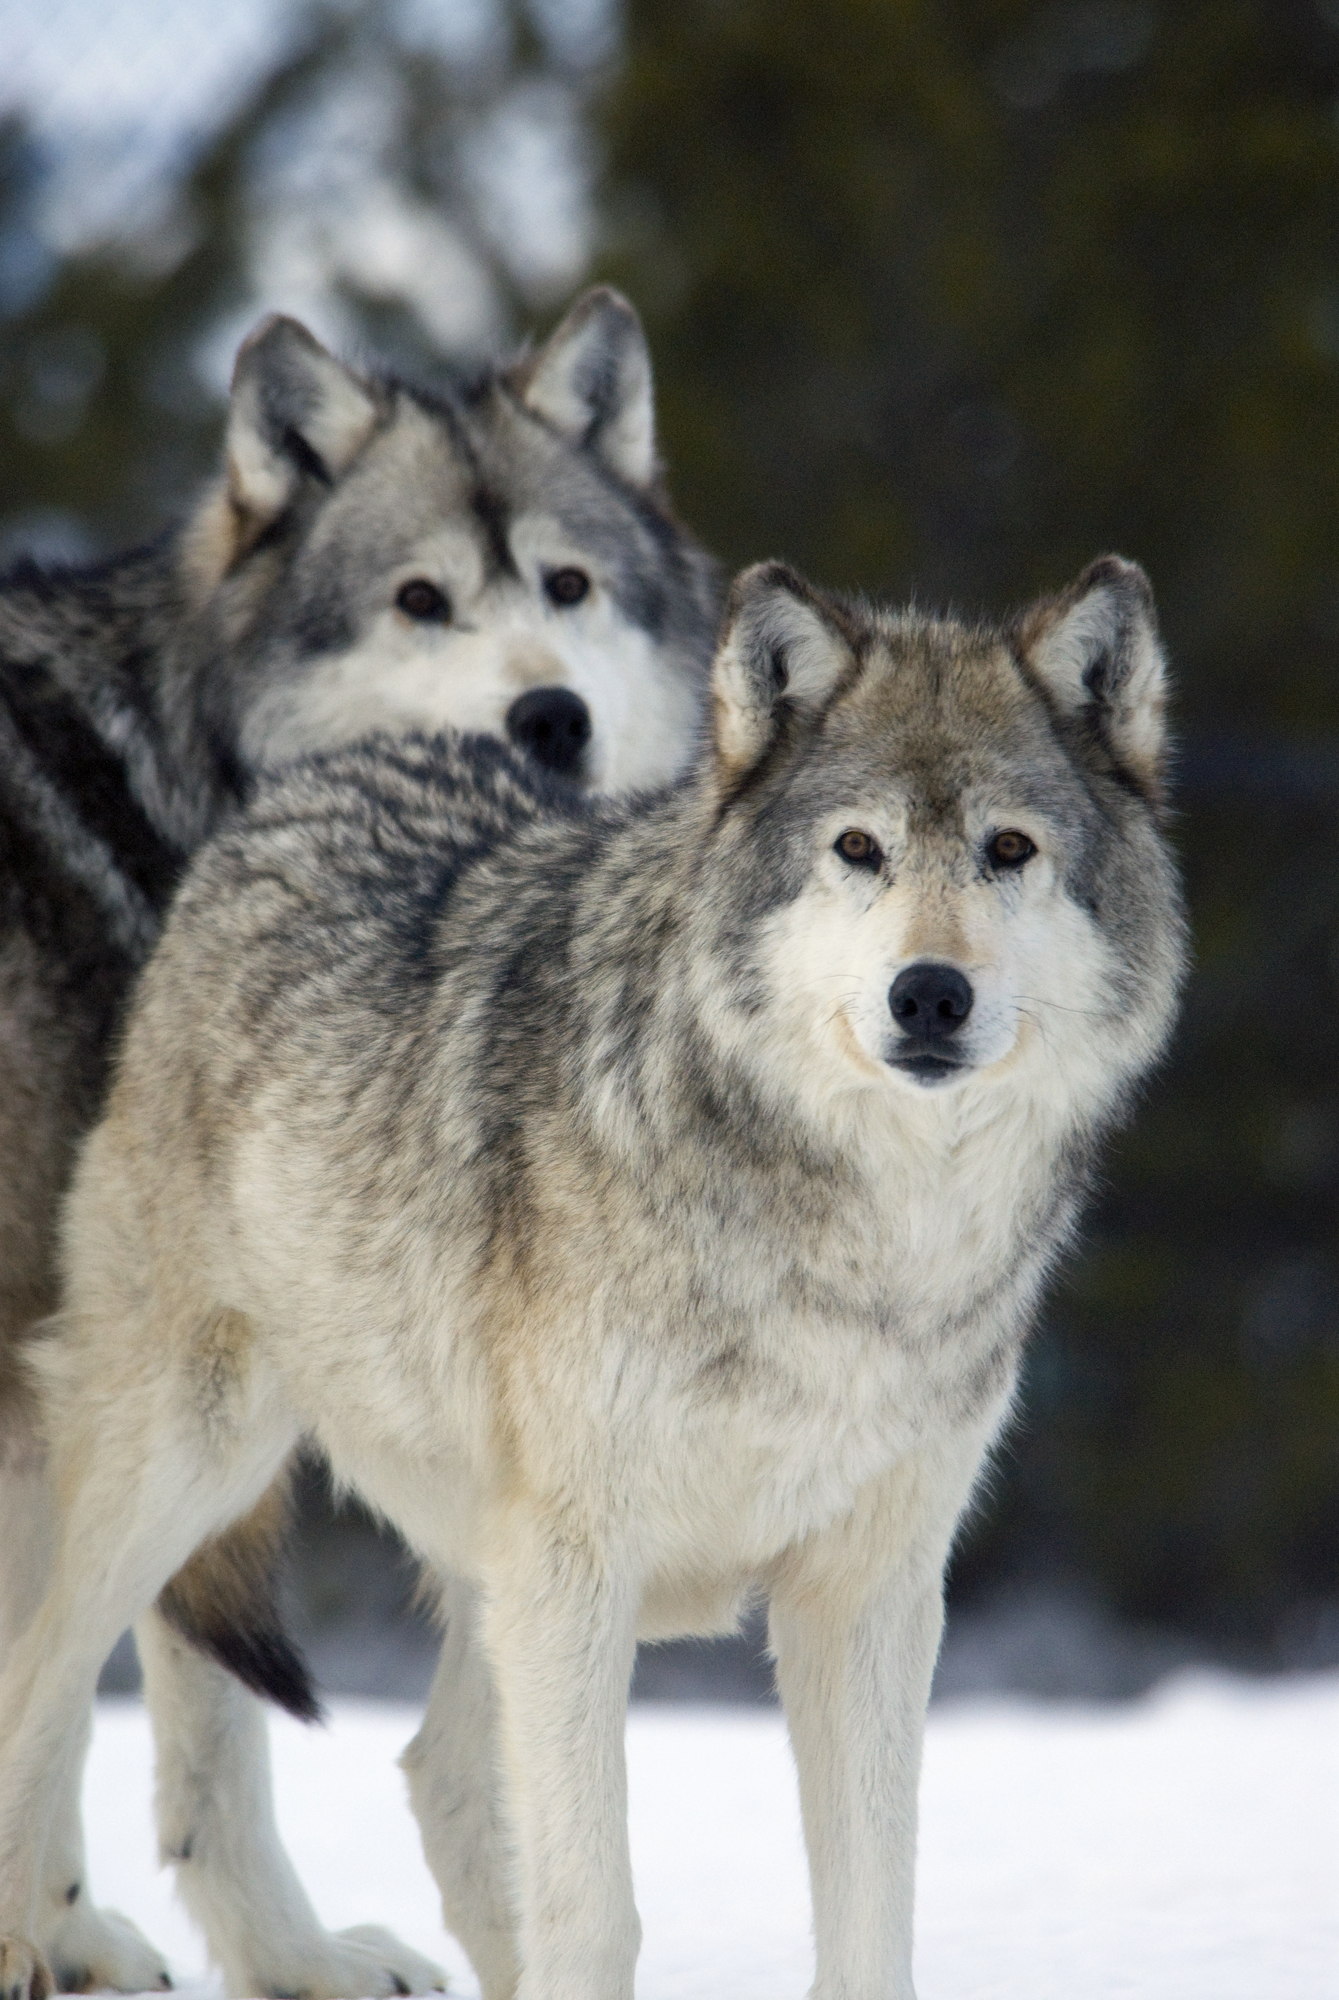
x=1184 y=1847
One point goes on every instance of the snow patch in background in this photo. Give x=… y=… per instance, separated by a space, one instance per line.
x=1182 y=1847
x=120 y=97
x=119 y=92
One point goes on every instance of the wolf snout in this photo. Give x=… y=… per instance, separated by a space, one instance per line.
x=552 y=725
x=930 y=1001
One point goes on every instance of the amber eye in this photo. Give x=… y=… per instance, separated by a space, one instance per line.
x=566 y=586
x=1010 y=849
x=423 y=600
x=859 y=849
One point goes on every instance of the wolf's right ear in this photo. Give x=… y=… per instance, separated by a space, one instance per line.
x=781 y=653
x=592 y=381
x=296 y=414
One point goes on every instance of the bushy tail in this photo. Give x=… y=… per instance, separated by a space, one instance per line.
x=225 y=1603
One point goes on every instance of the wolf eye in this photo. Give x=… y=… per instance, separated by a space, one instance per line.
x=859 y=848
x=423 y=600
x=1010 y=849
x=566 y=586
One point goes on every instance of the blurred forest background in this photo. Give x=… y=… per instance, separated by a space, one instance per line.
x=945 y=297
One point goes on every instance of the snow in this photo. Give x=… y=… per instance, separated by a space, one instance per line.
x=1182 y=1847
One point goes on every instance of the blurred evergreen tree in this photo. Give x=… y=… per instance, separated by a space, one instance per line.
x=948 y=297
x=355 y=179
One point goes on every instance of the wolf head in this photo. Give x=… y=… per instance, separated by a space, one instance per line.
x=498 y=559
x=950 y=836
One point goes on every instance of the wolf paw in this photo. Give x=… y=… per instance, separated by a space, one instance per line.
x=363 y=1963
x=91 y=1950
x=24 y=1973
x=402 y=1970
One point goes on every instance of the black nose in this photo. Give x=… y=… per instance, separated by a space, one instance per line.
x=552 y=725
x=929 y=1001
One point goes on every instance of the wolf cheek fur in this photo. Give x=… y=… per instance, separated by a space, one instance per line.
x=499 y=556
x=578 y=1177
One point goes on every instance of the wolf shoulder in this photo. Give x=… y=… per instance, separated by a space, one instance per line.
x=357 y=882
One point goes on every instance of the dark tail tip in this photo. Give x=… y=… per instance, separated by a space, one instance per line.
x=267 y=1662
x=226 y=1603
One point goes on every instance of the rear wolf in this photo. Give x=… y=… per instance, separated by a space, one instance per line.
x=643 y=1204
x=500 y=558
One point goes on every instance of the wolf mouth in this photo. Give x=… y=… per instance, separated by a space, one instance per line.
x=928 y=1070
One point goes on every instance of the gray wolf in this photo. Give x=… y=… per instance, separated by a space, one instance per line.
x=641 y=1203
x=499 y=556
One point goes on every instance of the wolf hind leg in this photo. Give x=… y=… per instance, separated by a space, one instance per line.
x=138 y=1490
x=216 y=1827
x=452 y=1767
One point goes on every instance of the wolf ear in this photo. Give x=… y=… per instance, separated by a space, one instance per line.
x=781 y=653
x=296 y=413
x=1096 y=651
x=592 y=381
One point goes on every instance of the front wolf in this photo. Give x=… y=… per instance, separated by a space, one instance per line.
x=500 y=558
x=642 y=1205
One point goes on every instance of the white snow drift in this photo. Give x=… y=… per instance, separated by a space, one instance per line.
x=1185 y=1847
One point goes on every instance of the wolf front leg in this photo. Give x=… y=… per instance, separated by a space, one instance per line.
x=28 y=1510
x=45 y=1696
x=87 y=1949
x=216 y=1827
x=559 y=1629
x=452 y=1767
x=856 y=1617
x=139 y=1489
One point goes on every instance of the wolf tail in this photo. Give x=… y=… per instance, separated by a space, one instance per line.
x=226 y=1603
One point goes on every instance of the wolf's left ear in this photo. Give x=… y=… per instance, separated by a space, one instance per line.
x=592 y=381
x=781 y=654
x=296 y=414
x=1096 y=650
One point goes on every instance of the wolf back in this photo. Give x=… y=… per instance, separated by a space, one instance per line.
x=642 y=1204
